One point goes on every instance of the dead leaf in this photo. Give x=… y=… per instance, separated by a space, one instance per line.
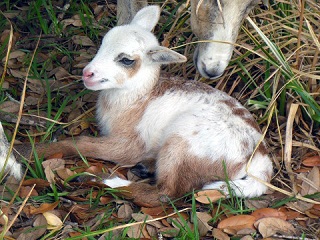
x=53 y=221
x=169 y=232
x=65 y=173
x=52 y=165
x=247 y=237
x=270 y=226
x=18 y=73
x=125 y=211
x=208 y=196
x=156 y=211
x=290 y=214
x=268 y=212
x=41 y=184
x=311 y=184
x=313 y=161
x=24 y=192
x=44 y=207
x=218 y=234
x=16 y=54
x=6 y=189
x=246 y=231
x=135 y=231
x=236 y=223
x=10 y=107
x=82 y=40
x=203 y=226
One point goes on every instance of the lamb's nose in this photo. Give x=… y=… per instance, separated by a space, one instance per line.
x=87 y=74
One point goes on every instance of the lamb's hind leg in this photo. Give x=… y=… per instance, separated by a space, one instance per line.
x=177 y=173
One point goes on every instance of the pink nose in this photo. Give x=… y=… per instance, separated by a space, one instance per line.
x=87 y=74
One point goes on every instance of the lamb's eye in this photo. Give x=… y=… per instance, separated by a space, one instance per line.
x=126 y=61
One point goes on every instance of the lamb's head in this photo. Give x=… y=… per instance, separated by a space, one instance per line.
x=130 y=55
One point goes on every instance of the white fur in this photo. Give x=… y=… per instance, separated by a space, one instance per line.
x=12 y=167
x=116 y=182
x=249 y=187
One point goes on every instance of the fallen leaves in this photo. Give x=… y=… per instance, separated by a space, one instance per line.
x=53 y=221
x=270 y=226
x=236 y=223
x=208 y=196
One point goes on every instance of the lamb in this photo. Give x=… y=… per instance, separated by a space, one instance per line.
x=192 y=130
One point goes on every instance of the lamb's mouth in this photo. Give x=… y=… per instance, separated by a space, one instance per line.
x=103 y=80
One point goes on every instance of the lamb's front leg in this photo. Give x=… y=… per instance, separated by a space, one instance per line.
x=120 y=149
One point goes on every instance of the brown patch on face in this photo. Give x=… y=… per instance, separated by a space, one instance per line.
x=132 y=70
x=179 y=171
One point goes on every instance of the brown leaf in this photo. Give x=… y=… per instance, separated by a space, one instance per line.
x=236 y=223
x=247 y=237
x=82 y=40
x=10 y=107
x=24 y=192
x=208 y=196
x=203 y=226
x=313 y=161
x=135 y=231
x=270 y=226
x=76 y=234
x=155 y=211
x=11 y=184
x=144 y=217
x=41 y=184
x=44 y=207
x=18 y=73
x=311 y=184
x=105 y=200
x=169 y=232
x=125 y=212
x=16 y=54
x=268 y=212
x=218 y=234
x=65 y=173
x=52 y=165
x=290 y=214
x=56 y=155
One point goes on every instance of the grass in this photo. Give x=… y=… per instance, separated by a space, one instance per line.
x=275 y=64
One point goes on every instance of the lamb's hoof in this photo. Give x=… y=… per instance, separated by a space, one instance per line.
x=143 y=170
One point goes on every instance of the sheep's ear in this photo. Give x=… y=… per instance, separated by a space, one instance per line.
x=147 y=17
x=163 y=55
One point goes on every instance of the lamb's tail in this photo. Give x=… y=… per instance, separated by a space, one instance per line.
x=248 y=183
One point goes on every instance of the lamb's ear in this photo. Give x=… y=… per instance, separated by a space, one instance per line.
x=147 y=17
x=163 y=55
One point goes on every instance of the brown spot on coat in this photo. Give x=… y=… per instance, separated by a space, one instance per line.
x=189 y=172
x=241 y=112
